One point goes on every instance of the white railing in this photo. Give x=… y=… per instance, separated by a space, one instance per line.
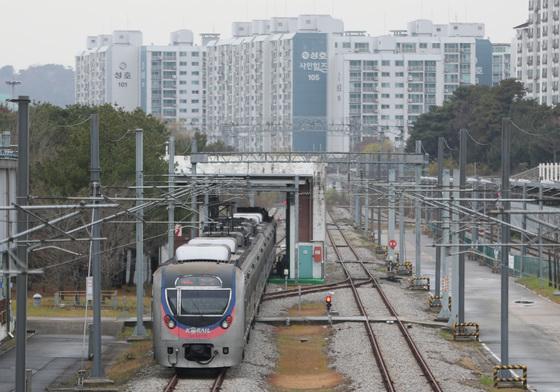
x=549 y=172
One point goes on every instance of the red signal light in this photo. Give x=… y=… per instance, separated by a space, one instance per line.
x=328 y=299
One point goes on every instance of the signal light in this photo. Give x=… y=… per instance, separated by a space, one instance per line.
x=328 y=302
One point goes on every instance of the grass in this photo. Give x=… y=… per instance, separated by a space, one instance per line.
x=126 y=307
x=540 y=287
x=136 y=356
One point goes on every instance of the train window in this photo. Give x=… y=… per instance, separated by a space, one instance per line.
x=204 y=302
x=200 y=281
x=172 y=300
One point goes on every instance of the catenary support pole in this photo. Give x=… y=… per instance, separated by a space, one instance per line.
x=462 y=184
x=454 y=250
x=418 y=215
x=539 y=235
x=139 y=330
x=444 y=239
x=438 y=229
x=504 y=315
x=402 y=220
x=194 y=219
x=391 y=223
x=296 y=224
x=524 y=237
x=22 y=195
x=378 y=178
x=95 y=170
x=171 y=205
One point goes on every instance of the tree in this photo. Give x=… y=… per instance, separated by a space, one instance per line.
x=480 y=110
x=59 y=168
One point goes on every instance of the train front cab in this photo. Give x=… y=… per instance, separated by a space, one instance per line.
x=201 y=319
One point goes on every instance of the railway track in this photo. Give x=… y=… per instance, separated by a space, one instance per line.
x=177 y=384
x=378 y=354
x=314 y=289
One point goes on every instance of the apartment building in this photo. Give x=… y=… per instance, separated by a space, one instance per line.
x=535 y=55
x=501 y=63
x=267 y=85
x=380 y=85
x=171 y=83
x=166 y=81
x=107 y=71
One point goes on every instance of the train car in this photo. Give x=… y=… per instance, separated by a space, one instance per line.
x=206 y=298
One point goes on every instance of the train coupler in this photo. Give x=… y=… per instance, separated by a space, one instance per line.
x=466 y=331
x=419 y=283
x=504 y=377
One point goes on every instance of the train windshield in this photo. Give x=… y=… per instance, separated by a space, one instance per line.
x=212 y=302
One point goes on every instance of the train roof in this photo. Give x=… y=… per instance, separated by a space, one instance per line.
x=255 y=216
x=203 y=252
x=230 y=242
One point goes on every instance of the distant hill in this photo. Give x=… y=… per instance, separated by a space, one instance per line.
x=52 y=83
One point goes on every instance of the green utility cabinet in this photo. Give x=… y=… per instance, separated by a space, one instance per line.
x=310 y=258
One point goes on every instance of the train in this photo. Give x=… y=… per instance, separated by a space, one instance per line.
x=205 y=299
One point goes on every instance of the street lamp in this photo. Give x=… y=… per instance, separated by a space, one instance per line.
x=13 y=84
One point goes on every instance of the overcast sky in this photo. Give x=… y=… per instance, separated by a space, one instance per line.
x=53 y=31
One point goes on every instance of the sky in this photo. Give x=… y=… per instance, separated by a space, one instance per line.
x=54 y=31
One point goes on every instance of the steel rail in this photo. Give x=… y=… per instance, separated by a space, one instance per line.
x=215 y=387
x=313 y=289
x=410 y=342
x=171 y=384
x=376 y=349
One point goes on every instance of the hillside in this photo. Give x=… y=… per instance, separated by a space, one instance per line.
x=52 y=83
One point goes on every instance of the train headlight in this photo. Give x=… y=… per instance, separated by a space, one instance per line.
x=168 y=320
x=227 y=322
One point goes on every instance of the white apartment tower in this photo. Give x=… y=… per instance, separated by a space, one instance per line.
x=536 y=55
x=267 y=85
x=163 y=80
x=501 y=63
x=107 y=71
x=172 y=80
x=380 y=85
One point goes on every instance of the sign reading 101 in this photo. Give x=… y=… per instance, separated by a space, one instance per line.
x=122 y=75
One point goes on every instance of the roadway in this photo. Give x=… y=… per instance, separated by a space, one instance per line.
x=534 y=329
x=49 y=356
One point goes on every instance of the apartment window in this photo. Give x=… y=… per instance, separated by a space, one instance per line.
x=385 y=117
x=183 y=54
x=182 y=73
x=346 y=45
x=386 y=63
x=182 y=110
x=183 y=101
x=386 y=85
x=194 y=91
x=195 y=54
x=183 y=63
x=408 y=47
x=423 y=45
x=182 y=91
x=399 y=74
x=399 y=96
x=385 y=96
x=386 y=74
x=195 y=82
x=399 y=106
x=195 y=73
x=399 y=85
x=385 y=106
x=436 y=45
x=399 y=63
x=182 y=82
x=361 y=46
x=195 y=110
x=195 y=63
x=195 y=101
